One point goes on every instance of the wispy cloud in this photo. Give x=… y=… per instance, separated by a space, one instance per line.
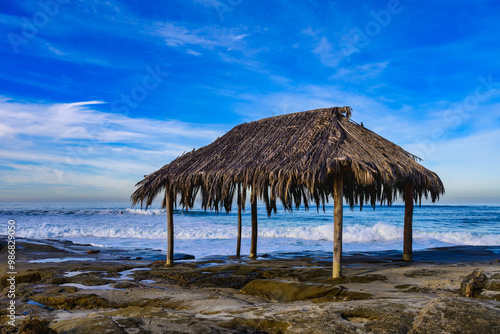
x=193 y=53
x=76 y=121
x=360 y=72
x=323 y=48
x=306 y=97
x=177 y=35
x=72 y=144
x=326 y=53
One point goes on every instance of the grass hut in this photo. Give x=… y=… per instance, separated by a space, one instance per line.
x=299 y=159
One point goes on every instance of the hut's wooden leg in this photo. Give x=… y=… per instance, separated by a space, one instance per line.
x=253 y=242
x=408 y=228
x=170 y=228
x=238 y=244
x=337 y=224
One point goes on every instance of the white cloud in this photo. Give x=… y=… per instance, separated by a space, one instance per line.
x=329 y=56
x=176 y=35
x=307 y=97
x=6 y=130
x=75 y=146
x=193 y=53
x=56 y=50
x=329 y=53
x=360 y=73
x=75 y=121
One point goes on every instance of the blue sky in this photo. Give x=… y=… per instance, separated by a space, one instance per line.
x=93 y=95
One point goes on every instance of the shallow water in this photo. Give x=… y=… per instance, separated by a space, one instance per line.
x=91 y=287
x=62 y=259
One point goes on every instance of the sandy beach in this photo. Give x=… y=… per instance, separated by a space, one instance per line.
x=79 y=290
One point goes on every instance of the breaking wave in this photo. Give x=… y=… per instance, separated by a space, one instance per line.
x=380 y=232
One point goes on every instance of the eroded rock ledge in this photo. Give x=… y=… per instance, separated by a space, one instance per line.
x=293 y=295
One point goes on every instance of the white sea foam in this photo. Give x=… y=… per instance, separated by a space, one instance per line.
x=64 y=259
x=83 y=212
x=208 y=233
x=355 y=233
x=460 y=238
x=148 y=212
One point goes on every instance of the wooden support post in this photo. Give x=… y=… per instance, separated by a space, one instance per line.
x=238 y=244
x=408 y=228
x=253 y=242
x=338 y=212
x=169 y=199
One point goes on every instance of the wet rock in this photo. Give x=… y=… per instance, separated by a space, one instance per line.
x=64 y=242
x=165 y=320
x=129 y=322
x=58 y=280
x=480 y=285
x=73 y=301
x=412 y=288
x=328 y=322
x=23 y=277
x=359 y=279
x=93 y=251
x=7 y=329
x=233 y=270
x=95 y=324
x=424 y=273
x=454 y=315
x=257 y=325
x=286 y=291
x=61 y=289
x=31 y=326
x=93 y=281
x=180 y=256
x=158 y=263
x=373 y=316
x=402 y=286
x=177 y=256
x=493 y=283
x=234 y=277
x=117 y=269
x=29 y=277
x=472 y=285
x=36 y=248
x=224 y=281
x=181 y=278
x=346 y=295
x=297 y=274
x=378 y=318
x=124 y=285
x=137 y=311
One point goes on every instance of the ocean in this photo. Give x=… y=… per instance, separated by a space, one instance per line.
x=205 y=234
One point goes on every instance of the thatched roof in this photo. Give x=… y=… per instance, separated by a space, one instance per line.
x=292 y=158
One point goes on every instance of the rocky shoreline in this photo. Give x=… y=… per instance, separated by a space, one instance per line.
x=446 y=290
